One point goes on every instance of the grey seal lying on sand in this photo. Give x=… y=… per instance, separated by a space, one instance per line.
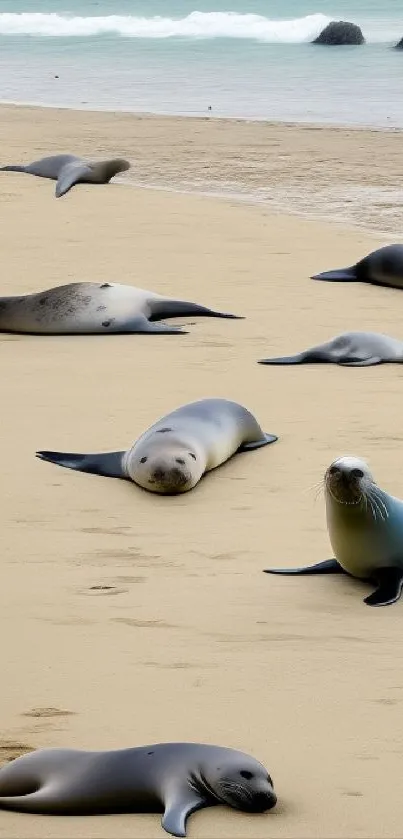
x=351 y=349
x=178 y=450
x=175 y=778
x=381 y=267
x=94 y=308
x=366 y=531
x=69 y=170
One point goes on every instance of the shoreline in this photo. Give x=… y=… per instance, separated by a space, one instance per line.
x=327 y=173
x=328 y=126
x=131 y=618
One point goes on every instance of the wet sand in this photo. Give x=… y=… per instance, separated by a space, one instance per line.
x=127 y=618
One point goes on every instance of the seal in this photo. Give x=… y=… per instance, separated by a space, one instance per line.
x=175 y=778
x=68 y=170
x=351 y=349
x=174 y=453
x=96 y=308
x=381 y=267
x=365 y=527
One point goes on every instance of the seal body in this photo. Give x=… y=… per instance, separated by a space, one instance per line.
x=351 y=349
x=365 y=526
x=68 y=170
x=176 y=451
x=175 y=778
x=381 y=267
x=95 y=308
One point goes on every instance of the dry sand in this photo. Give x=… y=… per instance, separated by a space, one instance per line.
x=192 y=641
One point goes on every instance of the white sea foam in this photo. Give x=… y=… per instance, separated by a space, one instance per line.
x=195 y=25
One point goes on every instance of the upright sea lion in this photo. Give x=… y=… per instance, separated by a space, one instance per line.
x=95 y=308
x=176 y=451
x=175 y=778
x=68 y=170
x=381 y=267
x=351 y=349
x=365 y=527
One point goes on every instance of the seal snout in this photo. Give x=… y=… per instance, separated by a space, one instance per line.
x=263 y=801
x=171 y=478
x=345 y=480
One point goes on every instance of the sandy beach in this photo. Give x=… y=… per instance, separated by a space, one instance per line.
x=190 y=641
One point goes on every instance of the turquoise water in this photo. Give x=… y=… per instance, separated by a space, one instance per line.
x=241 y=58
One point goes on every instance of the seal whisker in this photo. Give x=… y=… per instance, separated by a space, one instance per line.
x=378 y=500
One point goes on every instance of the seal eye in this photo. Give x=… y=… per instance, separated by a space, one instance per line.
x=357 y=473
x=143 y=459
x=192 y=455
x=333 y=470
x=247 y=775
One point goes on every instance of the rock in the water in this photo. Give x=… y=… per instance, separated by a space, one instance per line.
x=340 y=32
x=399 y=46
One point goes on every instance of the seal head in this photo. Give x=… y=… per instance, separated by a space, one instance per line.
x=167 y=471
x=243 y=784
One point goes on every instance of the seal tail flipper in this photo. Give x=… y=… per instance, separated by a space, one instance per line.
x=288 y=359
x=181 y=308
x=69 y=177
x=12 y=168
x=179 y=809
x=338 y=275
x=108 y=464
x=257 y=444
x=390 y=584
x=329 y=566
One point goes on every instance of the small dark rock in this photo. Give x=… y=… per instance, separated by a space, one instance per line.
x=399 y=46
x=340 y=33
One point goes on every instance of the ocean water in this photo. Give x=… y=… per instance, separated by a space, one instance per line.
x=249 y=59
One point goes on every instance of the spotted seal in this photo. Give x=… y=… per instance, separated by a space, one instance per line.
x=96 y=308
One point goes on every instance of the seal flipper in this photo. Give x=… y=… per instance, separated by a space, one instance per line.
x=13 y=168
x=108 y=464
x=69 y=176
x=329 y=566
x=43 y=801
x=257 y=444
x=309 y=356
x=338 y=275
x=363 y=362
x=182 y=308
x=390 y=584
x=179 y=808
x=154 y=328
